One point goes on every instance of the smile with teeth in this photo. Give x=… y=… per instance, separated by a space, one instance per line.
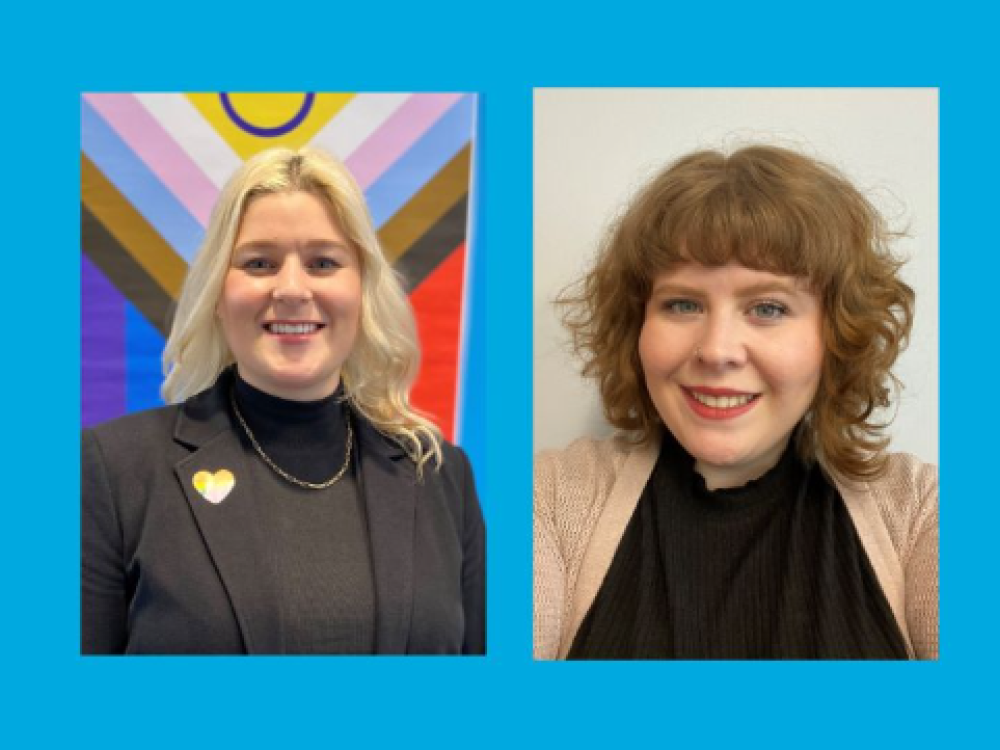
x=292 y=328
x=722 y=402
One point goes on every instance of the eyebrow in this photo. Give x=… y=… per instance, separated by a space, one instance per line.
x=265 y=245
x=751 y=290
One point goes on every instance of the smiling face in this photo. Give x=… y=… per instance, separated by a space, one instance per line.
x=291 y=300
x=732 y=360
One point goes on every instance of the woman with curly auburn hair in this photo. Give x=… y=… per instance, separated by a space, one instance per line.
x=290 y=501
x=741 y=322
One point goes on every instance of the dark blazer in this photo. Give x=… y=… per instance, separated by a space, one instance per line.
x=166 y=571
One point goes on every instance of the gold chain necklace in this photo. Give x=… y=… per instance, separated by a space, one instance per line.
x=281 y=472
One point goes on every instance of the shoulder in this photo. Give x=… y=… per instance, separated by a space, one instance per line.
x=140 y=421
x=591 y=456
x=908 y=473
x=123 y=462
x=134 y=432
x=909 y=487
x=167 y=432
x=452 y=455
x=905 y=497
x=573 y=486
x=448 y=490
x=455 y=470
x=585 y=470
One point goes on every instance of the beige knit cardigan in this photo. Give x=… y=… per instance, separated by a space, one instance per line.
x=586 y=494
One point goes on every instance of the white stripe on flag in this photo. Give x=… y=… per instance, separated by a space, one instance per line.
x=360 y=117
x=194 y=134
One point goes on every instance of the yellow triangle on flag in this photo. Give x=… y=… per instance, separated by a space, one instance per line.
x=251 y=123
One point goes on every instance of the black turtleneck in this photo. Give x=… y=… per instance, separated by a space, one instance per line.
x=770 y=570
x=308 y=439
x=319 y=559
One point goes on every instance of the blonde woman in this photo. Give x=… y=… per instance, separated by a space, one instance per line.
x=741 y=322
x=291 y=500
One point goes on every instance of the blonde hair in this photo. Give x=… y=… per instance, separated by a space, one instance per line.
x=769 y=209
x=383 y=364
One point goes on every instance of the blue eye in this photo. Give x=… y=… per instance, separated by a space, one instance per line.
x=256 y=264
x=325 y=264
x=682 y=307
x=769 y=311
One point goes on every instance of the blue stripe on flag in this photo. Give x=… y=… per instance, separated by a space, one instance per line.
x=144 y=373
x=421 y=162
x=139 y=184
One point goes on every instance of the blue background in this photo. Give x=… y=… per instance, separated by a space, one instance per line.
x=53 y=697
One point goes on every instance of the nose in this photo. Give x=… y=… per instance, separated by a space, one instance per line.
x=291 y=283
x=723 y=343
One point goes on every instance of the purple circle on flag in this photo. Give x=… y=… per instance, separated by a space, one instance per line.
x=268 y=132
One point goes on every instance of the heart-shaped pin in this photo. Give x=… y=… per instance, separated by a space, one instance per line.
x=214 y=487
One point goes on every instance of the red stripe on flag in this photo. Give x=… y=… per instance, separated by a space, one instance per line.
x=437 y=303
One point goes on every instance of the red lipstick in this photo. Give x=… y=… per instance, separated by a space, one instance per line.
x=709 y=391
x=718 y=412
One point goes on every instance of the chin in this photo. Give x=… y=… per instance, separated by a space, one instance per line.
x=714 y=454
x=304 y=380
x=295 y=371
x=720 y=459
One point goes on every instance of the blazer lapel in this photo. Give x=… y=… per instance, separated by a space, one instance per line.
x=229 y=521
x=388 y=483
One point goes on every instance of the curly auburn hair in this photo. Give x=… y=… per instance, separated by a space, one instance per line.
x=768 y=209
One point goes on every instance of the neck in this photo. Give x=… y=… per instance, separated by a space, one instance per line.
x=276 y=413
x=306 y=438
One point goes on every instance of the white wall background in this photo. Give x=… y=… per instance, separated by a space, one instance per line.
x=593 y=148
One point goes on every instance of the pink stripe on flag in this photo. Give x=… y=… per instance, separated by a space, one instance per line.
x=383 y=147
x=160 y=152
